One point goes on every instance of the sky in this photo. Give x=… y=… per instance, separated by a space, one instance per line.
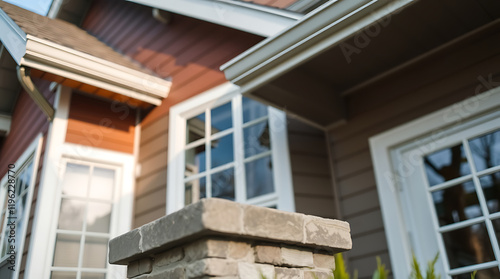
x=38 y=6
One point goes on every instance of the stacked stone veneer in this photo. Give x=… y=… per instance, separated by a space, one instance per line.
x=216 y=238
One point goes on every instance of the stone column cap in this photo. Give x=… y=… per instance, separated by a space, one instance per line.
x=218 y=217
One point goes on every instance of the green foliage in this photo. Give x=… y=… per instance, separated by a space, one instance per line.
x=380 y=272
x=340 y=270
x=429 y=274
x=473 y=275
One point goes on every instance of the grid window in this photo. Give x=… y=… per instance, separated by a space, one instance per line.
x=84 y=222
x=463 y=183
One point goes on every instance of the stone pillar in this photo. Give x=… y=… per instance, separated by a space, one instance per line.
x=216 y=238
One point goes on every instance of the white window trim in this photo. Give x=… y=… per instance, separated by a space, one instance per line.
x=45 y=222
x=382 y=149
x=177 y=128
x=33 y=152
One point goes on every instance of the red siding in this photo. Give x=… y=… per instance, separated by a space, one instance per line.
x=187 y=50
x=102 y=124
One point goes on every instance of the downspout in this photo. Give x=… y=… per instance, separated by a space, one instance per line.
x=23 y=75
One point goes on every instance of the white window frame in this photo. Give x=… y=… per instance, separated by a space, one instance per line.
x=385 y=149
x=42 y=242
x=219 y=95
x=32 y=153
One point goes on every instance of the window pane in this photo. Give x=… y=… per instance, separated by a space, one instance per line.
x=457 y=203
x=253 y=109
x=222 y=151
x=195 y=160
x=468 y=246
x=491 y=189
x=195 y=129
x=76 y=180
x=87 y=275
x=490 y=273
x=67 y=249
x=62 y=275
x=101 y=186
x=486 y=150
x=256 y=139
x=71 y=215
x=192 y=190
x=98 y=217
x=221 y=118
x=259 y=177
x=446 y=164
x=223 y=184
x=95 y=252
x=496 y=227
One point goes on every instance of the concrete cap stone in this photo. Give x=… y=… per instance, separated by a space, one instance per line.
x=218 y=217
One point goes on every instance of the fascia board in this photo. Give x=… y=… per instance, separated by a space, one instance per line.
x=60 y=60
x=323 y=28
x=12 y=37
x=262 y=21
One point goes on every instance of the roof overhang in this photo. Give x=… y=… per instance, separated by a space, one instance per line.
x=49 y=57
x=251 y=18
x=324 y=68
x=321 y=29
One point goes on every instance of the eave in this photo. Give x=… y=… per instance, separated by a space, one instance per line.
x=48 y=57
x=251 y=18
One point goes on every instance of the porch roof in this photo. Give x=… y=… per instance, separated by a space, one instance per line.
x=346 y=46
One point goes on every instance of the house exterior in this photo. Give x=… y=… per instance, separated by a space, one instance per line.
x=356 y=110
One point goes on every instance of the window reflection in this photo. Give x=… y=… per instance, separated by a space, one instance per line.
x=195 y=160
x=221 y=118
x=457 y=203
x=223 y=184
x=195 y=129
x=491 y=188
x=446 y=164
x=252 y=109
x=486 y=150
x=468 y=246
x=259 y=177
x=222 y=151
x=256 y=139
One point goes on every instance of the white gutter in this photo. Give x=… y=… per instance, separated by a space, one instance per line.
x=66 y=62
x=251 y=18
x=50 y=57
x=321 y=29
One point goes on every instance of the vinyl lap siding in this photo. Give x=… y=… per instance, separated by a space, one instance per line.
x=419 y=90
x=102 y=124
x=310 y=170
x=188 y=51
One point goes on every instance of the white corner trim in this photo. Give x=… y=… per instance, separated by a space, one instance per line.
x=382 y=147
x=320 y=30
x=259 y=20
x=12 y=37
x=5 y=121
x=39 y=245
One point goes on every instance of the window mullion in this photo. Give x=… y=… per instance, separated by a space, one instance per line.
x=239 y=151
x=482 y=201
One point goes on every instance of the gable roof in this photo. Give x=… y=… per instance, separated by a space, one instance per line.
x=61 y=48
